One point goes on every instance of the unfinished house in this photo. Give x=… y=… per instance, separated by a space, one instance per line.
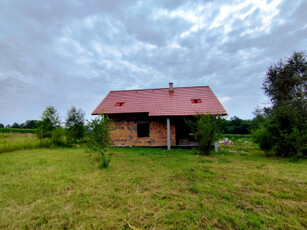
x=156 y=117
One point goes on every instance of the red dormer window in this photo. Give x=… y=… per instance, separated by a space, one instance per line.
x=119 y=104
x=195 y=101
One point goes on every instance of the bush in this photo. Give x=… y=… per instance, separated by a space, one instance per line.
x=58 y=137
x=207 y=129
x=98 y=135
x=263 y=138
x=290 y=132
x=283 y=132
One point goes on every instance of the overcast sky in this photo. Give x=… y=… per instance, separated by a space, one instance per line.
x=65 y=53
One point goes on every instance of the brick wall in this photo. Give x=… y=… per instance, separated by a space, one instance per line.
x=124 y=133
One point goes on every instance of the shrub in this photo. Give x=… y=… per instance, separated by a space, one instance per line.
x=289 y=131
x=207 y=129
x=58 y=137
x=283 y=132
x=263 y=138
x=98 y=135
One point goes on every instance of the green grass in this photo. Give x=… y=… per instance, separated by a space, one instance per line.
x=17 y=141
x=146 y=188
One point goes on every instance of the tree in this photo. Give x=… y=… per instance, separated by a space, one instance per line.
x=30 y=124
x=207 y=129
x=58 y=136
x=74 y=124
x=15 y=126
x=1 y=125
x=50 y=120
x=284 y=130
x=98 y=131
x=236 y=126
x=259 y=119
x=286 y=82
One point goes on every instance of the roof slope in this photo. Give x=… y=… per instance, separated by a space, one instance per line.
x=161 y=102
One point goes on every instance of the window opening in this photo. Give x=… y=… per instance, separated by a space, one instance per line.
x=196 y=101
x=118 y=104
x=143 y=129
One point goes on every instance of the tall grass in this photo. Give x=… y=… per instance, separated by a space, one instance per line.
x=16 y=141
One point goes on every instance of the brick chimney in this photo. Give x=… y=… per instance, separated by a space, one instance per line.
x=170 y=88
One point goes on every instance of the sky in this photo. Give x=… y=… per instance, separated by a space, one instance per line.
x=65 y=53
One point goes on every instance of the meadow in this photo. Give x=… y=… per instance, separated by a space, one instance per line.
x=16 y=141
x=151 y=188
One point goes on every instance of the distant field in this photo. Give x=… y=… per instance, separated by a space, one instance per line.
x=234 y=137
x=13 y=130
x=16 y=141
x=152 y=188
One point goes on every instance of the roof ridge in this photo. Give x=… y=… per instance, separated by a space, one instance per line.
x=201 y=86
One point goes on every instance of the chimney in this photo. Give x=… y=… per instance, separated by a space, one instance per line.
x=171 y=88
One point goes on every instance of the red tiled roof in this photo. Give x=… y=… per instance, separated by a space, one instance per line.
x=161 y=102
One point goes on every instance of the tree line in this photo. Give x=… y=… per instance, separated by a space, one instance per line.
x=234 y=125
x=29 y=124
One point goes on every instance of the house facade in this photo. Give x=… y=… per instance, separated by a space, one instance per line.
x=156 y=117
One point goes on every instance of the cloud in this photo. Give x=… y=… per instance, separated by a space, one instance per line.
x=65 y=53
x=224 y=99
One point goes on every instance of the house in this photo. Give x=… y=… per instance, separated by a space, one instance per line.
x=156 y=117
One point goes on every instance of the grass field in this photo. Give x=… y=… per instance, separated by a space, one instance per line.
x=148 y=188
x=16 y=130
x=16 y=141
x=234 y=137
